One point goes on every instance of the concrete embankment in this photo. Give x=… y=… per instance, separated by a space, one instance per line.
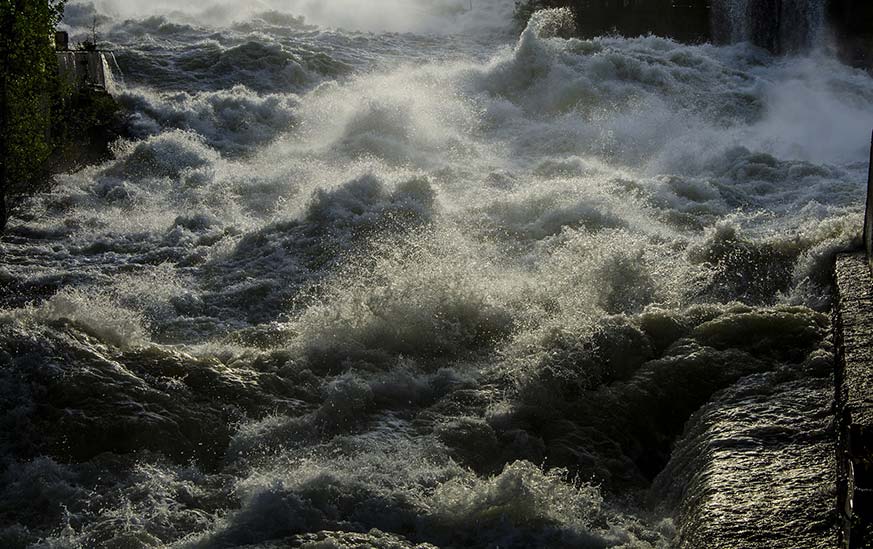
x=853 y=337
x=853 y=330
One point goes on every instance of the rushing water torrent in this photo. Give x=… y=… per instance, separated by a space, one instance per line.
x=778 y=25
x=348 y=287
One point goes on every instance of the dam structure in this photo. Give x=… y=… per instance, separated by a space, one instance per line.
x=85 y=68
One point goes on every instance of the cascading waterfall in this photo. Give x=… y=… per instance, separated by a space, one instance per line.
x=781 y=26
x=114 y=78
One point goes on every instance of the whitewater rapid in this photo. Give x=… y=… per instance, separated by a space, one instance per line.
x=419 y=281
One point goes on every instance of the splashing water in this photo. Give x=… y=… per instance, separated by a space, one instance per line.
x=345 y=288
x=785 y=26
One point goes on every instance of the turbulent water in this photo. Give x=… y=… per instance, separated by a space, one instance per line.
x=396 y=276
x=779 y=25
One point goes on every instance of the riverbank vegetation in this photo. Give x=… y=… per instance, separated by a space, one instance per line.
x=47 y=123
x=29 y=84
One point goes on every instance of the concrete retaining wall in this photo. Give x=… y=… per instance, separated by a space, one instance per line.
x=83 y=69
x=853 y=334
x=853 y=337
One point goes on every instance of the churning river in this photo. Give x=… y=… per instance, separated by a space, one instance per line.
x=392 y=275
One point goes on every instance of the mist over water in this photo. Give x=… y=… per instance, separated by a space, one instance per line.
x=415 y=280
x=431 y=16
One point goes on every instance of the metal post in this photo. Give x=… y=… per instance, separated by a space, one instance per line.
x=868 y=216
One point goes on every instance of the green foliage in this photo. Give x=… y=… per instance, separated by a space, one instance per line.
x=28 y=85
x=82 y=127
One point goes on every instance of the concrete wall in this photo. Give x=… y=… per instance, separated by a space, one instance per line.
x=853 y=338
x=83 y=69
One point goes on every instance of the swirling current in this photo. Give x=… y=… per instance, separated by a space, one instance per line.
x=396 y=276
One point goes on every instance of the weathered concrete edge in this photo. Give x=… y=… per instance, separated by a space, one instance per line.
x=853 y=339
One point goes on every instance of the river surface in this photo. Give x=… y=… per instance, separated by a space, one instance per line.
x=396 y=274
